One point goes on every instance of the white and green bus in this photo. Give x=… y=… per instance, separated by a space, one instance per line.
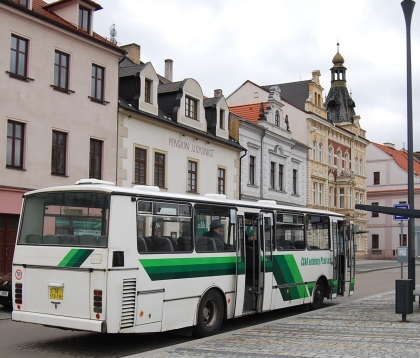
x=97 y=257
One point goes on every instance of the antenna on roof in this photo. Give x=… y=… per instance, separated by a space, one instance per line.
x=113 y=34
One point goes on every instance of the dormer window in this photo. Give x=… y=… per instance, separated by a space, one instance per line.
x=222 y=119
x=277 y=119
x=24 y=3
x=84 y=19
x=148 y=91
x=191 y=107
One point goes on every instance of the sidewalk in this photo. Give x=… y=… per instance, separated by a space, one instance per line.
x=365 y=327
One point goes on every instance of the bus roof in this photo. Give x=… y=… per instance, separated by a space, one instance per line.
x=152 y=191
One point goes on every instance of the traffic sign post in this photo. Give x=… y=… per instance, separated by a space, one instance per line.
x=400 y=206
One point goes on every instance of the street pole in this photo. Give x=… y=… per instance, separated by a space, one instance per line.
x=401 y=244
x=408 y=7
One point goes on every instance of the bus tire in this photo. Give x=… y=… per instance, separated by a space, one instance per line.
x=317 y=296
x=210 y=314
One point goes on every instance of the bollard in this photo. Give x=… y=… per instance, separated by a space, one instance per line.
x=403 y=298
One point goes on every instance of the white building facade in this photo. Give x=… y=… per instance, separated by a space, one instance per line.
x=173 y=137
x=274 y=165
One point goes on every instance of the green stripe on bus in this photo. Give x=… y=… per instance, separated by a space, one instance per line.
x=286 y=272
x=178 y=268
x=311 y=286
x=75 y=258
x=241 y=268
x=352 y=281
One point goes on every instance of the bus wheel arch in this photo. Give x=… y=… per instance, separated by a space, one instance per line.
x=319 y=293
x=211 y=311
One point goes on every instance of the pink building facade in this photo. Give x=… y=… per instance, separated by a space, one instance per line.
x=58 y=119
x=387 y=185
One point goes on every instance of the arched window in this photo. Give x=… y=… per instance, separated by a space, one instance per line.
x=331 y=156
x=356 y=165
x=277 y=119
x=314 y=150
x=339 y=161
x=320 y=154
x=361 y=166
x=346 y=161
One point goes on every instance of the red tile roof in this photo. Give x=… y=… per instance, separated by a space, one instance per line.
x=400 y=157
x=250 y=112
x=38 y=6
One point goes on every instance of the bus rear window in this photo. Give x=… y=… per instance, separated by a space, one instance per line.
x=65 y=219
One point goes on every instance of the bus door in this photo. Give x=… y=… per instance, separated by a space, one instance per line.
x=337 y=258
x=351 y=256
x=344 y=258
x=240 y=265
x=266 y=261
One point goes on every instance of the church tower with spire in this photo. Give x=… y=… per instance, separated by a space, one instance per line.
x=339 y=104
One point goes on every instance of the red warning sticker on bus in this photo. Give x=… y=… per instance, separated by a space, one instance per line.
x=18 y=274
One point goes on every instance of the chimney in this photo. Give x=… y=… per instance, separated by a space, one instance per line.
x=168 y=69
x=218 y=92
x=133 y=52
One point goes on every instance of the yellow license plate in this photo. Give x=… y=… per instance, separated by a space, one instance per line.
x=56 y=293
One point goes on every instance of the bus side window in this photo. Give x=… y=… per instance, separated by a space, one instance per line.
x=290 y=231
x=163 y=227
x=214 y=223
x=318 y=232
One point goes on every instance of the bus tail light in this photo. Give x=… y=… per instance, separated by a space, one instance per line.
x=97 y=301
x=18 y=293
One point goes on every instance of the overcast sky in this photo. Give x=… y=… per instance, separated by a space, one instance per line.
x=223 y=43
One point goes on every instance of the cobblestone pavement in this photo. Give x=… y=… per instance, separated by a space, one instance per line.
x=366 y=327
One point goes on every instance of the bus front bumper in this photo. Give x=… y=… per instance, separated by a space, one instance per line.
x=77 y=324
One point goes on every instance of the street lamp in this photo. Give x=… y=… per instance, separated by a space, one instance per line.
x=408 y=7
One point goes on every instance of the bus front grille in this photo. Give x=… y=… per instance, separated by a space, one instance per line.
x=128 y=303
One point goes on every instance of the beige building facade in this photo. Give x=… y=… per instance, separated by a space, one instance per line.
x=336 y=159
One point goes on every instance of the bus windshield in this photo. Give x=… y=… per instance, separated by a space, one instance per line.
x=65 y=219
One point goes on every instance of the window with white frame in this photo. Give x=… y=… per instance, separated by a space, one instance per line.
x=280 y=177
x=339 y=161
x=272 y=174
x=346 y=161
x=252 y=163
x=314 y=193
x=331 y=156
x=320 y=194
x=222 y=119
x=330 y=197
x=277 y=119
x=314 y=150
x=320 y=154
x=341 y=198
x=191 y=105
x=294 y=182
x=351 y=198
x=221 y=180
x=192 y=176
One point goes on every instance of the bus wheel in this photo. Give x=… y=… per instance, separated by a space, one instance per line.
x=210 y=314
x=317 y=296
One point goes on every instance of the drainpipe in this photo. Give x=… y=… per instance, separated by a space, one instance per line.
x=261 y=167
x=240 y=174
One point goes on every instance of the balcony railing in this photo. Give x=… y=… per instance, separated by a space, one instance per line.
x=345 y=173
